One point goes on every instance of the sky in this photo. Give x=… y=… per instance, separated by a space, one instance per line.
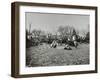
x=50 y=22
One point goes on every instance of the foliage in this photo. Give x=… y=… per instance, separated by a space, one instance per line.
x=67 y=32
x=37 y=37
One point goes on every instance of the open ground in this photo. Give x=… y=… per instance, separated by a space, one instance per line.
x=43 y=55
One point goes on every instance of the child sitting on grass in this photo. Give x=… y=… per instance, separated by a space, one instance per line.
x=67 y=47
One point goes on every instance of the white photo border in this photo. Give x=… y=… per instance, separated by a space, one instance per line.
x=41 y=70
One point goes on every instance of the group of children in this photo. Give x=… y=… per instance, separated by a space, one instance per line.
x=55 y=44
x=67 y=46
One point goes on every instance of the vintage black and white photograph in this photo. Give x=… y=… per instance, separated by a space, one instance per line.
x=54 y=39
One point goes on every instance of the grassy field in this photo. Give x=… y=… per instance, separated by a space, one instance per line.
x=43 y=55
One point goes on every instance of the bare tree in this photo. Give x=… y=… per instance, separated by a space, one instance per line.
x=66 y=31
